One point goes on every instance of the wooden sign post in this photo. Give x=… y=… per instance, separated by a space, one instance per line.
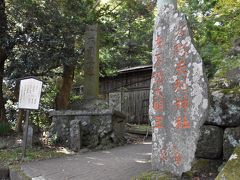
x=29 y=97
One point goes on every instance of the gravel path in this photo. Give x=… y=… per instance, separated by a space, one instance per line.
x=120 y=163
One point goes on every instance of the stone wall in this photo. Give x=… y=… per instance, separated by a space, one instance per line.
x=221 y=132
x=101 y=129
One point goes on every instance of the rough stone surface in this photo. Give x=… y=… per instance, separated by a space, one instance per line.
x=231 y=140
x=75 y=135
x=100 y=129
x=225 y=108
x=178 y=95
x=210 y=143
x=115 y=101
x=203 y=169
x=231 y=171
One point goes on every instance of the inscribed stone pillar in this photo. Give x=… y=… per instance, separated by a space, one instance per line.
x=178 y=95
x=75 y=135
x=91 y=65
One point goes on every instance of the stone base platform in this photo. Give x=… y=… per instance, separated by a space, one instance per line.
x=95 y=129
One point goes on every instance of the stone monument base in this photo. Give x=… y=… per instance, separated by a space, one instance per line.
x=99 y=128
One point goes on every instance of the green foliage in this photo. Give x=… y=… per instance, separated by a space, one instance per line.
x=227 y=64
x=43 y=35
x=127 y=35
x=215 y=24
x=5 y=128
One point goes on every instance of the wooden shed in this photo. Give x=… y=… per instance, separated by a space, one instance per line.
x=133 y=85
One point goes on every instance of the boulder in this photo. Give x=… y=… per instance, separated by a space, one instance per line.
x=230 y=141
x=225 y=108
x=210 y=144
x=203 y=169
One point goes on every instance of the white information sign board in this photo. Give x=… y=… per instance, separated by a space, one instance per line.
x=29 y=95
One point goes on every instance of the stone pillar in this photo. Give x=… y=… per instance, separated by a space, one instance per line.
x=75 y=135
x=91 y=65
x=178 y=94
x=115 y=101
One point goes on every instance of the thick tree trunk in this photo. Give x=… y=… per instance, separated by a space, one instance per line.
x=3 y=57
x=62 y=98
x=20 y=116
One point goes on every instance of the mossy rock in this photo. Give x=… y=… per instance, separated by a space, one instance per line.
x=203 y=168
x=155 y=175
x=231 y=171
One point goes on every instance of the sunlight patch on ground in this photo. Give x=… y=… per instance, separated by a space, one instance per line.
x=147 y=143
x=142 y=161
x=106 y=152
x=91 y=158
x=64 y=151
x=99 y=164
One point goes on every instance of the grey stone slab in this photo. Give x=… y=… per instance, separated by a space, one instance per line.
x=178 y=94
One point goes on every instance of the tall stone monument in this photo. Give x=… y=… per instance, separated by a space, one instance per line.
x=91 y=65
x=178 y=95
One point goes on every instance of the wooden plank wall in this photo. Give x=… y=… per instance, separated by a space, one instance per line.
x=134 y=107
x=135 y=94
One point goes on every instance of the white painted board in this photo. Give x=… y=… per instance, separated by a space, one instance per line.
x=30 y=93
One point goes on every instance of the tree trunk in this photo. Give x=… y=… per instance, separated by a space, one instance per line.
x=2 y=102
x=20 y=119
x=3 y=57
x=62 y=98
